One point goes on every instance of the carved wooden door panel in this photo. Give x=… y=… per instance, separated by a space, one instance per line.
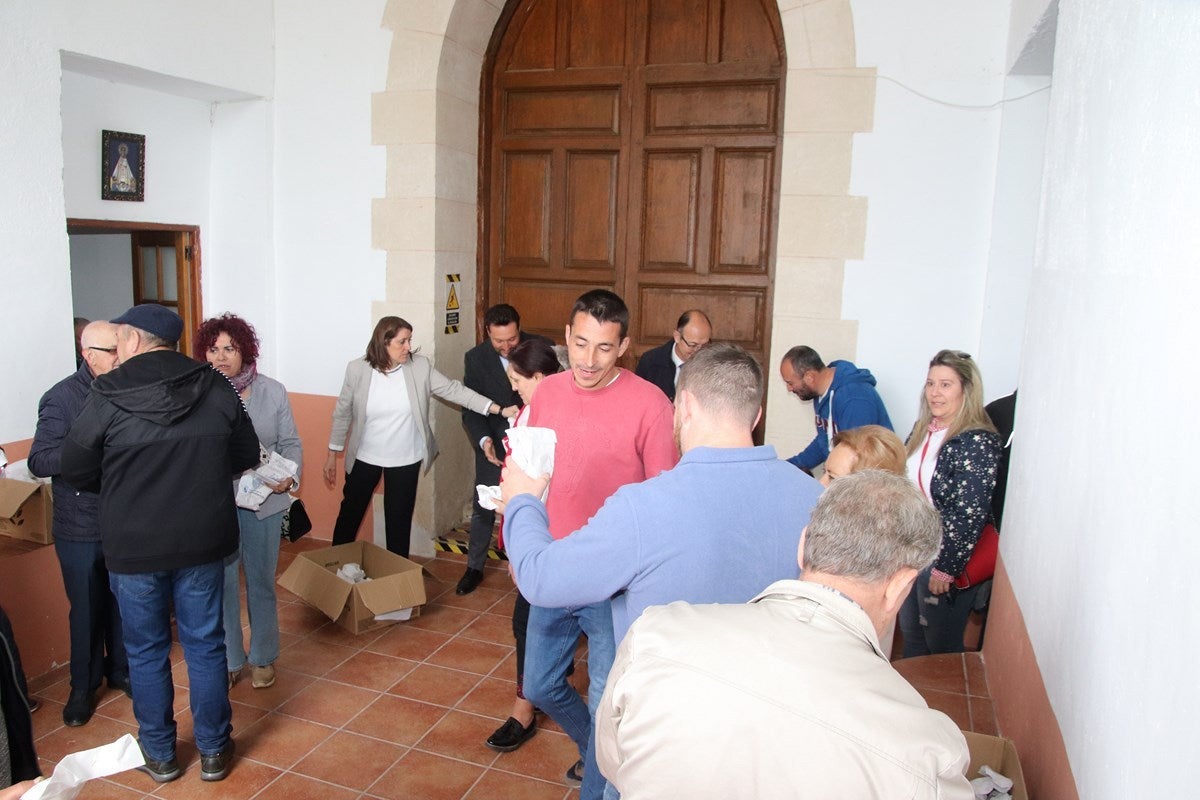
x=634 y=145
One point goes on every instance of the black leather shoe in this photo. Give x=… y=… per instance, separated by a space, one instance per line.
x=160 y=771
x=121 y=684
x=79 y=708
x=216 y=766
x=511 y=735
x=469 y=581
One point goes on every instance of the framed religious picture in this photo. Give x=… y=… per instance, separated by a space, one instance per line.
x=122 y=166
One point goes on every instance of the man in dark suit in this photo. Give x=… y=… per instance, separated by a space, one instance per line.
x=485 y=370
x=661 y=365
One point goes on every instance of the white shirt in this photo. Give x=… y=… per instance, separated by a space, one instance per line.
x=920 y=471
x=678 y=362
x=391 y=436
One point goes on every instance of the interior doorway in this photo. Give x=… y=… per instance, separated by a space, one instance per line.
x=118 y=264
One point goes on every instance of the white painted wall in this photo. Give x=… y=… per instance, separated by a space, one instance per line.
x=178 y=141
x=1100 y=536
x=331 y=57
x=223 y=42
x=237 y=249
x=101 y=275
x=928 y=171
x=1013 y=230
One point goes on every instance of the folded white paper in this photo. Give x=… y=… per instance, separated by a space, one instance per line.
x=352 y=573
x=253 y=488
x=532 y=451
x=78 y=768
x=399 y=615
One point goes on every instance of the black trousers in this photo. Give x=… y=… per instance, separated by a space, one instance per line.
x=399 y=500
x=520 y=624
x=482 y=520
x=97 y=646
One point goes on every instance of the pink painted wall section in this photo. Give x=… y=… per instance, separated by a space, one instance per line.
x=1019 y=697
x=314 y=418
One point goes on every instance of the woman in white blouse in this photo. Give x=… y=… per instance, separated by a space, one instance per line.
x=381 y=420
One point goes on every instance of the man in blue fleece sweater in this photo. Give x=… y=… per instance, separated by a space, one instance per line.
x=721 y=525
x=842 y=394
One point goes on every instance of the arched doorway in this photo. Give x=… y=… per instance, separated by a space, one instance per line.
x=634 y=145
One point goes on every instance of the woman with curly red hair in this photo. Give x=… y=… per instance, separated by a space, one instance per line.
x=230 y=345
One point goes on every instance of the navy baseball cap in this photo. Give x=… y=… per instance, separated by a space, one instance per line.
x=153 y=318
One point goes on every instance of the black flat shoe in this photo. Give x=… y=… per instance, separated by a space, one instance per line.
x=511 y=735
x=574 y=776
x=216 y=766
x=469 y=581
x=79 y=708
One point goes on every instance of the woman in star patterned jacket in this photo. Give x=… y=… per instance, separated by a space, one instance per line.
x=953 y=451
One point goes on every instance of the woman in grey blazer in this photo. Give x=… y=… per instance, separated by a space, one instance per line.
x=230 y=345
x=381 y=421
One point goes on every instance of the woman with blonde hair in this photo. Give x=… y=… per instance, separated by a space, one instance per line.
x=867 y=447
x=953 y=451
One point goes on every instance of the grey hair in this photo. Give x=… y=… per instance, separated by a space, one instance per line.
x=869 y=525
x=726 y=380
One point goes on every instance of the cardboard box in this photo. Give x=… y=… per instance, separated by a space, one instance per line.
x=999 y=754
x=395 y=583
x=26 y=510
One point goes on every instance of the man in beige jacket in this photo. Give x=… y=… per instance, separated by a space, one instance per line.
x=790 y=695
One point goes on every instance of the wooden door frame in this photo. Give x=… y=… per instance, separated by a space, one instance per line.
x=102 y=226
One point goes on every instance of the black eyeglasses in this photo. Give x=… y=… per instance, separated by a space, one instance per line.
x=691 y=345
x=109 y=350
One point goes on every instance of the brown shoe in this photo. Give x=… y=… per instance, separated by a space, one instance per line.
x=262 y=677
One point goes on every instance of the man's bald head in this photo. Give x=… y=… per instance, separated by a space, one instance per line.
x=99 y=346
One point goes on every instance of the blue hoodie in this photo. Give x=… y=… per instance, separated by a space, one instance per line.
x=855 y=403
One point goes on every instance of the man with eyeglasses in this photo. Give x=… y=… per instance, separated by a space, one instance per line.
x=97 y=649
x=661 y=365
x=843 y=397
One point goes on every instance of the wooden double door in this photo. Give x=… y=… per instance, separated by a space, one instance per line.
x=634 y=145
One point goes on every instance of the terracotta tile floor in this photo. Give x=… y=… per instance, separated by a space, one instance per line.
x=400 y=714
x=955 y=684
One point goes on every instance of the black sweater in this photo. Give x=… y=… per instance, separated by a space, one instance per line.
x=160 y=438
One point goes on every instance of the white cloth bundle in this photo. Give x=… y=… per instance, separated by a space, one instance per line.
x=532 y=451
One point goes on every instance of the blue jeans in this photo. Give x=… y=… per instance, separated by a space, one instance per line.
x=935 y=623
x=259 y=557
x=549 y=649
x=145 y=601
x=97 y=646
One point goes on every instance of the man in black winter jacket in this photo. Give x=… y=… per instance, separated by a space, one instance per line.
x=97 y=646
x=160 y=438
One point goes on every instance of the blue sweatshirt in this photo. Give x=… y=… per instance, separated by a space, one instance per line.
x=718 y=528
x=854 y=403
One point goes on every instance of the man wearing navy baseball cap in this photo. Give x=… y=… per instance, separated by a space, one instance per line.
x=160 y=439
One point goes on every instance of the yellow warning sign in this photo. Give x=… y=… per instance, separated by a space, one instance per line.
x=452 y=300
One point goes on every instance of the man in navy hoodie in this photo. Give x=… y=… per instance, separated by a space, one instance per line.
x=160 y=439
x=843 y=397
x=97 y=643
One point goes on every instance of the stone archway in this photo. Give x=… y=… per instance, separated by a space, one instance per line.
x=428 y=118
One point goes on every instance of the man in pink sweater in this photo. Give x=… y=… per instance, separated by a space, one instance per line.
x=613 y=428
